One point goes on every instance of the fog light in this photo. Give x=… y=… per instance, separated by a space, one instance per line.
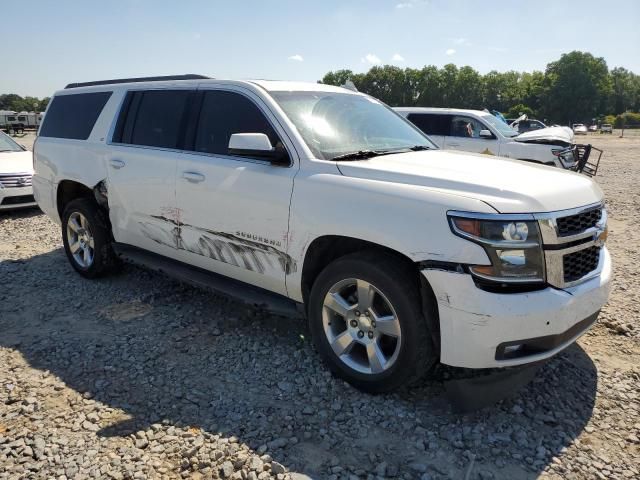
x=512 y=349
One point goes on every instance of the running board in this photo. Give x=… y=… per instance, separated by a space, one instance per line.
x=198 y=277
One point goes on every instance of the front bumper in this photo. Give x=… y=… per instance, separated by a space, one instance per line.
x=479 y=329
x=11 y=198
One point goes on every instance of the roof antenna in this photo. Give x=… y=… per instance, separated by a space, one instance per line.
x=349 y=85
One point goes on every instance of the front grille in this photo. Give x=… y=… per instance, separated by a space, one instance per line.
x=575 y=224
x=18 y=200
x=578 y=264
x=15 y=180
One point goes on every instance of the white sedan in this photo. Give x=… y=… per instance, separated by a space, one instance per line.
x=16 y=170
x=579 y=129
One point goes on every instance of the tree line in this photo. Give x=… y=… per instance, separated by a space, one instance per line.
x=578 y=87
x=16 y=103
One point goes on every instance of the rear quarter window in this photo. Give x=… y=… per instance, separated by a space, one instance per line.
x=73 y=116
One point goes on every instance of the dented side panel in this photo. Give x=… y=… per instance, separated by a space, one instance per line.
x=233 y=249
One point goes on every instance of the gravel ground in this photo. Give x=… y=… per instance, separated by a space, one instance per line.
x=137 y=376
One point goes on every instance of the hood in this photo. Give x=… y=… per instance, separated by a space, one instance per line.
x=509 y=186
x=549 y=135
x=16 y=162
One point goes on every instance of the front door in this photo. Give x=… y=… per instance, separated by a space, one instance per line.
x=234 y=210
x=465 y=136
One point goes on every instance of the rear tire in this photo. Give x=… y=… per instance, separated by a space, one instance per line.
x=381 y=343
x=87 y=238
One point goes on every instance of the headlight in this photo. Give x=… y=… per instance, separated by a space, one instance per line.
x=513 y=246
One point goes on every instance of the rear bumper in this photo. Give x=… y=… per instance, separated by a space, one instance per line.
x=11 y=198
x=479 y=329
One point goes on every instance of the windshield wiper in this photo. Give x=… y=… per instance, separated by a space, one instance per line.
x=364 y=154
x=359 y=155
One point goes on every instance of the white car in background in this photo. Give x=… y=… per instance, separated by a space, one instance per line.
x=579 y=129
x=16 y=171
x=481 y=132
x=606 y=128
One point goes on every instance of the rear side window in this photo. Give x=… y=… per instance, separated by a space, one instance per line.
x=152 y=118
x=225 y=113
x=431 y=123
x=73 y=116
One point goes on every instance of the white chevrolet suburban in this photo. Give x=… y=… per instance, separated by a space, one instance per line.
x=321 y=199
x=481 y=132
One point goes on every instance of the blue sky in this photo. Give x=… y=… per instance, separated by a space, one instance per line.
x=57 y=42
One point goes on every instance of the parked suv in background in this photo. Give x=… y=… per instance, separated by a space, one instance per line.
x=481 y=132
x=606 y=128
x=322 y=200
x=16 y=170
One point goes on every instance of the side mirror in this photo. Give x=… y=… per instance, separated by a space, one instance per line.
x=485 y=134
x=257 y=145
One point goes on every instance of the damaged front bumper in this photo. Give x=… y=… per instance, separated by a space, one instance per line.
x=481 y=329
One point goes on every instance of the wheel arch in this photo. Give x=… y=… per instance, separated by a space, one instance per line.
x=325 y=249
x=69 y=190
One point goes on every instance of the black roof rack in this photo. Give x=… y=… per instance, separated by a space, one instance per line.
x=189 y=76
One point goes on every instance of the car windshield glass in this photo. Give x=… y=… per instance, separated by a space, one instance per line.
x=334 y=124
x=8 y=145
x=499 y=125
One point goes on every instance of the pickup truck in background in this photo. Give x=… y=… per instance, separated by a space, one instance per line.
x=481 y=132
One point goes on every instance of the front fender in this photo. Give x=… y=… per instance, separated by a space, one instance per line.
x=408 y=219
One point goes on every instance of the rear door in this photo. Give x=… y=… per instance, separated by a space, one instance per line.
x=436 y=125
x=234 y=210
x=142 y=168
x=465 y=136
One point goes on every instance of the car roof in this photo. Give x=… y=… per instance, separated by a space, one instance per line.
x=439 y=110
x=268 y=85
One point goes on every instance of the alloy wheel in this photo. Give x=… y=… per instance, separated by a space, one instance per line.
x=361 y=326
x=80 y=239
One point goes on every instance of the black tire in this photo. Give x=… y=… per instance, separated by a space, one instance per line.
x=400 y=285
x=104 y=258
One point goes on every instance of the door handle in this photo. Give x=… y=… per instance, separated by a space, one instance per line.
x=193 y=177
x=453 y=144
x=117 y=164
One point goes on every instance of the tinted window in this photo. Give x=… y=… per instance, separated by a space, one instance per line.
x=73 y=116
x=226 y=113
x=154 y=118
x=430 y=123
x=22 y=119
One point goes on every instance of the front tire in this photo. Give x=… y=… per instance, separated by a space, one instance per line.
x=87 y=238
x=367 y=322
